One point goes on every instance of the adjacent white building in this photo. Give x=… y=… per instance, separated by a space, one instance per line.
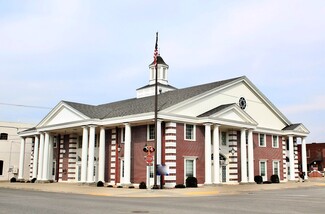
x=10 y=147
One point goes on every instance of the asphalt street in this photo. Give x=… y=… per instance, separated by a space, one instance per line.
x=300 y=200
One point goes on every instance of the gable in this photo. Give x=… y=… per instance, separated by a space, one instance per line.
x=259 y=108
x=62 y=113
x=229 y=113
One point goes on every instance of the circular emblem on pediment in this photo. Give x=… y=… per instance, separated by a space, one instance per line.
x=242 y=103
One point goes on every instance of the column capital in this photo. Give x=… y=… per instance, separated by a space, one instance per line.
x=207 y=124
x=92 y=125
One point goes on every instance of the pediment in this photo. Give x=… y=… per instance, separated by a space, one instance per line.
x=60 y=114
x=297 y=128
x=229 y=112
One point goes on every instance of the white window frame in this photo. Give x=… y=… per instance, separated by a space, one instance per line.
x=277 y=143
x=260 y=171
x=190 y=158
x=259 y=140
x=193 y=134
x=278 y=162
x=148 y=132
x=221 y=138
x=122 y=166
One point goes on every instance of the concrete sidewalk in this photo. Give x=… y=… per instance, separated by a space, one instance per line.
x=187 y=192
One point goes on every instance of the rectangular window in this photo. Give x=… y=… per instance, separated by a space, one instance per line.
x=189 y=168
x=263 y=168
x=122 y=135
x=276 y=165
x=1 y=167
x=151 y=132
x=189 y=132
x=3 y=136
x=262 y=140
x=275 y=141
x=224 y=138
x=55 y=142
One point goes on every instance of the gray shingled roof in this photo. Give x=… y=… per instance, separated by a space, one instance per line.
x=145 y=104
x=292 y=126
x=215 y=110
x=159 y=84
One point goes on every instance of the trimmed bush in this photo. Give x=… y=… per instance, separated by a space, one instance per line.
x=131 y=187
x=275 y=179
x=142 y=185
x=191 y=182
x=110 y=185
x=13 y=180
x=119 y=186
x=258 y=179
x=267 y=182
x=33 y=180
x=100 y=184
x=179 y=186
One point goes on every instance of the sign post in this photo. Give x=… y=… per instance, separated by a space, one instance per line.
x=149 y=160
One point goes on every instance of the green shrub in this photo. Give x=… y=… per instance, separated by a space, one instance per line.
x=142 y=185
x=258 y=179
x=179 y=186
x=275 y=179
x=191 y=182
x=100 y=184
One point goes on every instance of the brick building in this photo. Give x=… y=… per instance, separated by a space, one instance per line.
x=315 y=159
x=221 y=132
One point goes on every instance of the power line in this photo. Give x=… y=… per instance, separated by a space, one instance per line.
x=25 y=106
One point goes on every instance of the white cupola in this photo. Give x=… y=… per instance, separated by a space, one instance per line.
x=162 y=70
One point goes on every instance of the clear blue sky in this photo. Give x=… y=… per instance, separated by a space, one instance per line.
x=98 y=51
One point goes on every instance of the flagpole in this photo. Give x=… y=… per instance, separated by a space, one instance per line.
x=155 y=186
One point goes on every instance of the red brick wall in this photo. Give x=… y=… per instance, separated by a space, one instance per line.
x=189 y=148
x=267 y=153
x=314 y=152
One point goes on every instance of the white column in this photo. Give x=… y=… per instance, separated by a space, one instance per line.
x=158 y=149
x=250 y=157
x=216 y=161
x=50 y=164
x=101 y=164
x=127 y=154
x=304 y=156
x=291 y=159
x=84 y=154
x=21 y=159
x=207 y=153
x=46 y=157
x=243 y=159
x=35 y=158
x=92 y=133
x=41 y=157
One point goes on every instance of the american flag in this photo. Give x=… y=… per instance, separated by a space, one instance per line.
x=155 y=55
